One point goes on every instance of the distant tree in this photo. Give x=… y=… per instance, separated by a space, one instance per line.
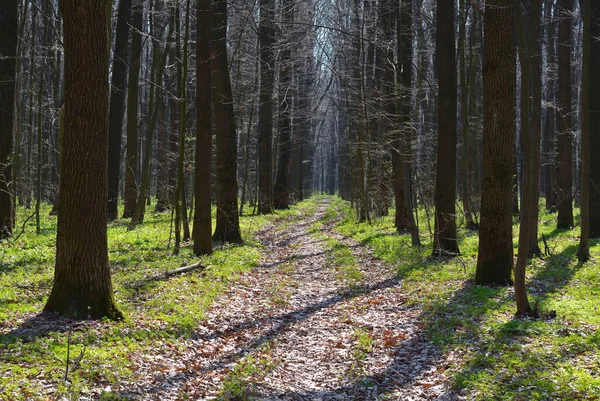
x=8 y=56
x=117 y=106
x=227 y=225
x=444 y=241
x=495 y=257
x=565 y=158
x=82 y=283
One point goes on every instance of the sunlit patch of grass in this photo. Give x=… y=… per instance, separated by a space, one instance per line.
x=158 y=311
x=501 y=358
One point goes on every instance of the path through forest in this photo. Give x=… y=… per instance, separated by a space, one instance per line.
x=296 y=328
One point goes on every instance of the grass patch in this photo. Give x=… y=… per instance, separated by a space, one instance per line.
x=159 y=313
x=501 y=358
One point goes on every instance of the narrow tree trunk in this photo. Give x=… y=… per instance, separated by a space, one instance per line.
x=445 y=184
x=584 y=244
x=227 y=225
x=265 y=113
x=565 y=160
x=8 y=50
x=131 y=186
x=202 y=215
x=594 y=124
x=117 y=106
x=179 y=205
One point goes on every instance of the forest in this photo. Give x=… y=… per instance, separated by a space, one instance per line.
x=299 y=200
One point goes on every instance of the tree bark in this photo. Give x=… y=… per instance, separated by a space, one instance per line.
x=583 y=253
x=117 y=105
x=227 y=225
x=8 y=57
x=444 y=241
x=265 y=113
x=495 y=257
x=82 y=284
x=281 y=192
x=131 y=181
x=565 y=160
x=594 y=116
x=202 y=217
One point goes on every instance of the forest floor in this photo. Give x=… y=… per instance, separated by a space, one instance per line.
x=313 y=307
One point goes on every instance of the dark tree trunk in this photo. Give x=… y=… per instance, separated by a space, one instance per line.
x=535 y=71
x=594 y=108
x=565 y=159
x=82 y=284
x=202 y=216
x=583 y=253
x=8 y=50
x=117 y=105
x=281 y=192
x=227 y=225
x=445 y=184
x=131 y=186
x=495 y=258
x=265 y=109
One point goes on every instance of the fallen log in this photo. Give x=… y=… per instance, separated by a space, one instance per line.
x=184 y=269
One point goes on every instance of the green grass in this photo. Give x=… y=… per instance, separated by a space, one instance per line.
x=501 y=357
x=158 y=312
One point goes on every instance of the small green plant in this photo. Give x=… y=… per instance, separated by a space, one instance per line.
x=239 y=383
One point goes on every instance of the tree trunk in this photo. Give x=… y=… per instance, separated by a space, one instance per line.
x=131 y=186
x=445 y=242
x=179 y=192
x=227 y=225
x=565 y=159
x=202 y=215
x=495 y=257
x=594 y=116
x=117 y=106
x=281 y=192
x=8 y=50
x=265 y=113
x=465 y=128
x=82 y=284
x=584 y=244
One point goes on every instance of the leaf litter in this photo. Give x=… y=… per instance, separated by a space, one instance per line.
x=290 y=329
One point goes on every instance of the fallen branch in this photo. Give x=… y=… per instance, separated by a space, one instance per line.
x=185 y=269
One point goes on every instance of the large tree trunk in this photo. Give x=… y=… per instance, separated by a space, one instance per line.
x=82 y=285
x=444 y=241
x=565 y=160
x=495 y=257
x=227 y=225
x=202 y=217
x=117 y=105
x=265 y=110
x=8 y=50
x=595 y=123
